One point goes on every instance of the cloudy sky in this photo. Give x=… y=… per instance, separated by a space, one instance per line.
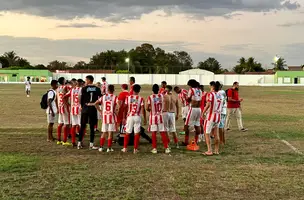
x=73 y=30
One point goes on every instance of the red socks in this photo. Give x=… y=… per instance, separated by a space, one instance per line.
x=154 y=140
x=126 y=141
x=59 y=132
x=73 y=134
x=136 y=141
x=175 y=139
x=110 y=141
x=164 y=139
x=102 y=141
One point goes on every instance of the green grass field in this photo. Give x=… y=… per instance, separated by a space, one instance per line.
x=253 y=165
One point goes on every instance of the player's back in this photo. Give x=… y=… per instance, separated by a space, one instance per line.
x=214 y=113
x=134 y=103
x=172 y=104
x=62 y=102
x=109 y=103
x=183 y=97
x=75 y=100
x=89 y=94
x=195 y=94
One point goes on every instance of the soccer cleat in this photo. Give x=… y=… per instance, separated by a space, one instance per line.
x=135 y=151
x=93 y=148
x=79 y=146
x=100 y=149
x=66 y=144
x=167 y=151
x=154 y=151
x=244 y=129
x=124 y=150
x=110 y=150
x=59 y=142
x=177 y=145
x=28 y=95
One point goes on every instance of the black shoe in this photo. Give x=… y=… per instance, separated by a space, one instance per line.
x=184 y=144
x=244 y=129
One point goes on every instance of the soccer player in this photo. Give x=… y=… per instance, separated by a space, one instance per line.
x=212 y=120
x=104 y=86
x=89 y=94
x=99 y=114
x=63 y=110
x=135 y=105
x=121 y=103
x=163 y=87
x=109 y=104
x=28 y=86
x=234 y=107
x=172 y=115
x=182 y=95
x=75 y=96
x=51 y=110
x=223 y=115
x=132 y=83
x=194 y=114
x=156 y=121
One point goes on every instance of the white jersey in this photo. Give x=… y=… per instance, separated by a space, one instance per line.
x=195 y=94
x=28 y=85
x=156 y=103
x=104 y=87
x=214 y=112
x=109 y=103
x=52 y=95
x=224 y=102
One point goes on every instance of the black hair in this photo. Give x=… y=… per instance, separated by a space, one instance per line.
x=217 y=86
x=202 y=87
x=132 y=79
x=73 y=79
x=164 y=82
x=90 y=77
x=212 y=83
x=28 y=77
x=155 y=88
x=176 y=88
x=103 y=78
x=111 y=88
x=136 y=88
x=79 y=80
x=61 y=80
x=235 y=83
x=54 y=82
x=192 y=83
x=169 y=87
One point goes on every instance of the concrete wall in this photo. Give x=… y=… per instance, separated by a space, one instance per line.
x=175 y=79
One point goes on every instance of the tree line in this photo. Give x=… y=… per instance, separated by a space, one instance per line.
x=144 y=59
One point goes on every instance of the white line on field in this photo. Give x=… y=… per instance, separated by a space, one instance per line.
x=290 y=146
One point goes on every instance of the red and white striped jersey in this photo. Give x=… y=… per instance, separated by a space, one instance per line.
x=214 y=113
x=108 y=103
x=62 y=103
x=156 y=104
x=75 y=94
x=134 y=103
x=195 y=94
x=104 y=87
x=183 y=97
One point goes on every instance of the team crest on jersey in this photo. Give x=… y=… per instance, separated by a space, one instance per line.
x=108 y=98
x=134 y=100
x=156 y=99
x=198 y=92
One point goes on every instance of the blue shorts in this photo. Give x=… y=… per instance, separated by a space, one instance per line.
x=223 y=121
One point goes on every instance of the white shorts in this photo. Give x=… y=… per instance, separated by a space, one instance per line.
x=50 y=118
x=75 y=120
x=193 y=117
x=208 y=126
x=185 y=112
x=27 y=89
x=108 y=128
x=156 y=127
x=169 y=121
x=64 y=118
x=133 y=122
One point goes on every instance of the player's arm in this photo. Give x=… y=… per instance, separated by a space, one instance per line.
x=177 y=109
x=96 y=104
x=189 y=96
x=50 y=99
x=148 y=105
x=82 y=99
x=208 y=105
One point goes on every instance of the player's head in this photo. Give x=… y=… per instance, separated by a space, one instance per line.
x=211 y=85
x=136 y=88
x=169 y=88
x=124 y=86
x=132 y=80
x=89 y=79
x=28 y=78
x=217 y=86
x=111 y=89
x=79 y=82
x=236 y=85
x=103 y=79
x=54 y=84
x=61 y=81
x=155 y=89
x=177 y=89
x=163 y=84
x=73 y=81
x=202 y=88
x=192 y=83
x=98 y=84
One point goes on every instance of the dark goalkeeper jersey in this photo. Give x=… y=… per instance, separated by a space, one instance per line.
x=89 y=94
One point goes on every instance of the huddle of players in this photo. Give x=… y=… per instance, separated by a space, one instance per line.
x=162 y=105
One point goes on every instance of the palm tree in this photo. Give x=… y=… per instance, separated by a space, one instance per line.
x=11 y=57
x=280 y=64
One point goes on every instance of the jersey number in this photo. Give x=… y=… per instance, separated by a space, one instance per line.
x=91 y=95
x=108 y=106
